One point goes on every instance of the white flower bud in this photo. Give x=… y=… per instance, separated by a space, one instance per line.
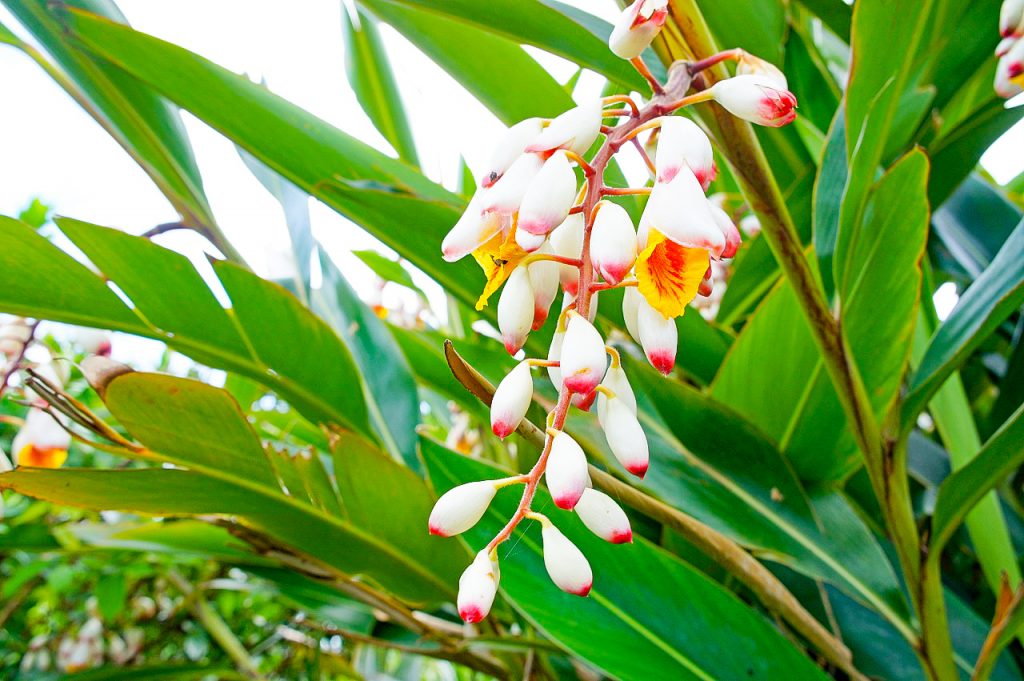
x=729 y=231
x=506 y=195
x=14 y=334
x=631 y=298
x=569 y=300
x=554 y=355
x=550 y=196
x=603 y=517
x=681 y=141
x=566 y=564
x=473 y=229
x=510 y=148
x=511 y=400
x=613 y=242
x=515 y=310
x=544 y=275
x=751 y=225
x=756 y=98
x=91 y=341
x=529 y=242
x=567 y=241
x=617 y=382
x=1011 y=18
x=1010 y=71
x=636 y=27
x=41 y=442
x=460 y=508
x=574 y=130
x=566 y=472
x=679 y=210
x=477 y=587
x=658 y=337
x=625 y=436
x=583 y=355
x=749 y=65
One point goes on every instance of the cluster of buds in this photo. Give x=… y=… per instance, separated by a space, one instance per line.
x=1010 y=51
x=535 y=228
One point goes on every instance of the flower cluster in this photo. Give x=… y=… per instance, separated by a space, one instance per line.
x=543 y=220
x=1010 y=71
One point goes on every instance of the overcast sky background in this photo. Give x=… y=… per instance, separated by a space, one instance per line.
x=51 y=149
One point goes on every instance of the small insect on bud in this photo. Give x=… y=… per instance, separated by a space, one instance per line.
x=757 y=99
x=679 y=210
x=617 y=382
x=658 y=337
x=583 y=356
x=460 y=508
x=477 y=587
x=566 y=472
x=631 y=298
x=574 y=130
x=42 y=442
x=506 y=195
x=515 y=310
x=613 y=242
x=729 y=231
x=473 y=229
x=749 y=65
x=625 y=436
x=567 y=241
x=510 y=148
x=544 y=276
x=636 y=27
x=1011 y=18
x=604 y=517
x=566 y=564
x=550 y=196
x=511 y=400
x=681 y=141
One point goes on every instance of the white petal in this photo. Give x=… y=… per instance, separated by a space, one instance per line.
x=460 y=508
x=507 y=194
x=679 y=210
x=1011 y=18
x=625 y=437
x=477 y=587
x=604 y=517
x=631 y=298
x=566 y=564
x=613 y=242
x=680 y=142
x=554 y=355
x=575 y=130
x=40 y=431
x=658 y=337
x=550 y=196
x=511 y=400
x=584 y=359
x=544 y=276
x=567 y=241
x=515 y=310
x=566 y=473
x=510 y=148
x=529 y=242
x=729 y=230
x=472 y=230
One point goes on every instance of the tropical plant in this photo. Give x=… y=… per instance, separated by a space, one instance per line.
x=825 y=476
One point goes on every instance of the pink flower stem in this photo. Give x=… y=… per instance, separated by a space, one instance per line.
x=698 y=66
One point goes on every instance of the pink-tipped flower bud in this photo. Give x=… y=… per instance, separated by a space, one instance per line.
x=613 y=242
x=460 y=508
x=567 y=241
x=511 y=400
x=566 y=473
x=555 y=355
x=583 y=355
x=1004 y=46
x=681 y=141
x=1010 y=71
x=506 y=195
x=604 y=517
x=14 y=334
x=625 y=436
x=41 y=442
x=749 y=65
x=569 y=301
x=617 y=382
x=477 y=587
x=515 y=310
x=729 y=231
x=473 y=229
x=550 y=196
x=544 y=277
x=510 y=148
x=637 y=27
x=679 y=210
x=574 y=130
x=566 y=564
x=631 y=298
x=658 y=337
x=750 y=225
x=757 y=99
x=1011 y=18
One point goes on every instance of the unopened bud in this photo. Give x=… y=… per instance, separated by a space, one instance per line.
x=529 y=242
x=583 y=355
x=575 y=130
x=756 y=98
x=510 y=148
x=631 y=298
x=636 y=27
x=554 y=355
x=617 y=382
x=99 y=371
x=511 y=400
x=613 y=242
x=1010 y=71
x=506 y=195
x=751 y=225
x=729 y=231
x=679 y=210
x=658 y=337
x=566 y=473
x=749 y=65
x=515 y=310
x=473 y=229
x=604 y=517
x=477 y=587
x=544 y=276
x=550 y=196
x=460 y=508
x=625 y=436
x=566 y=564
x=1011 y=18
x=681 y=141
x=567 y=241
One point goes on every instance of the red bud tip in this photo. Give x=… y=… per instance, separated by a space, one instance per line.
x=471 y=614
x=638 y=471
x=584 y=592
x=437 y=531
x=582 y=383
x=584 y=403
x=663 y=361
x=566 y=502
x=624 y=537
x=511 y=347
x=502 y=430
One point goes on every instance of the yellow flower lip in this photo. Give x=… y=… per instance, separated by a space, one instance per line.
x=497 y=258
x=669 y=275
x=41 y=457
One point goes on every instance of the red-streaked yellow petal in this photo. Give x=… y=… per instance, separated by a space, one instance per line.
x=498 y=257
x=41 y=457
x=669 y=275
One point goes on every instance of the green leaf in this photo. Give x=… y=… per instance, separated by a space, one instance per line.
x=758 y=26
x=388 y=269
x=698 y=631
x=993 y=296
x=828 y=191
x=111 y=592
x=973 y=224
x=370 y=75
x=835 y=14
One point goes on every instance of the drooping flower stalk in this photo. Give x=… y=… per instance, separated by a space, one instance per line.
x=531 y=230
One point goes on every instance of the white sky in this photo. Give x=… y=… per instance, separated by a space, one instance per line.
x=50 y=148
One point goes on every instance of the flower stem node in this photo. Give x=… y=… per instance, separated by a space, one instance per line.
x=460 y=508
x=756 y=98
x=637 y=27
x=566 y=564
x=566 y=473
x=604 y=517
x=511 y=400
x=516 y=310
x=583 y=356
x=478 y=586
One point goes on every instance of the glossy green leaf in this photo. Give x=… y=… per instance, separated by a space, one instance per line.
x=370 y=75
x=388 y=269
x=828 y=192
x=698 y=631
x=835 y=14
x=973 y=224
x=758 y=26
